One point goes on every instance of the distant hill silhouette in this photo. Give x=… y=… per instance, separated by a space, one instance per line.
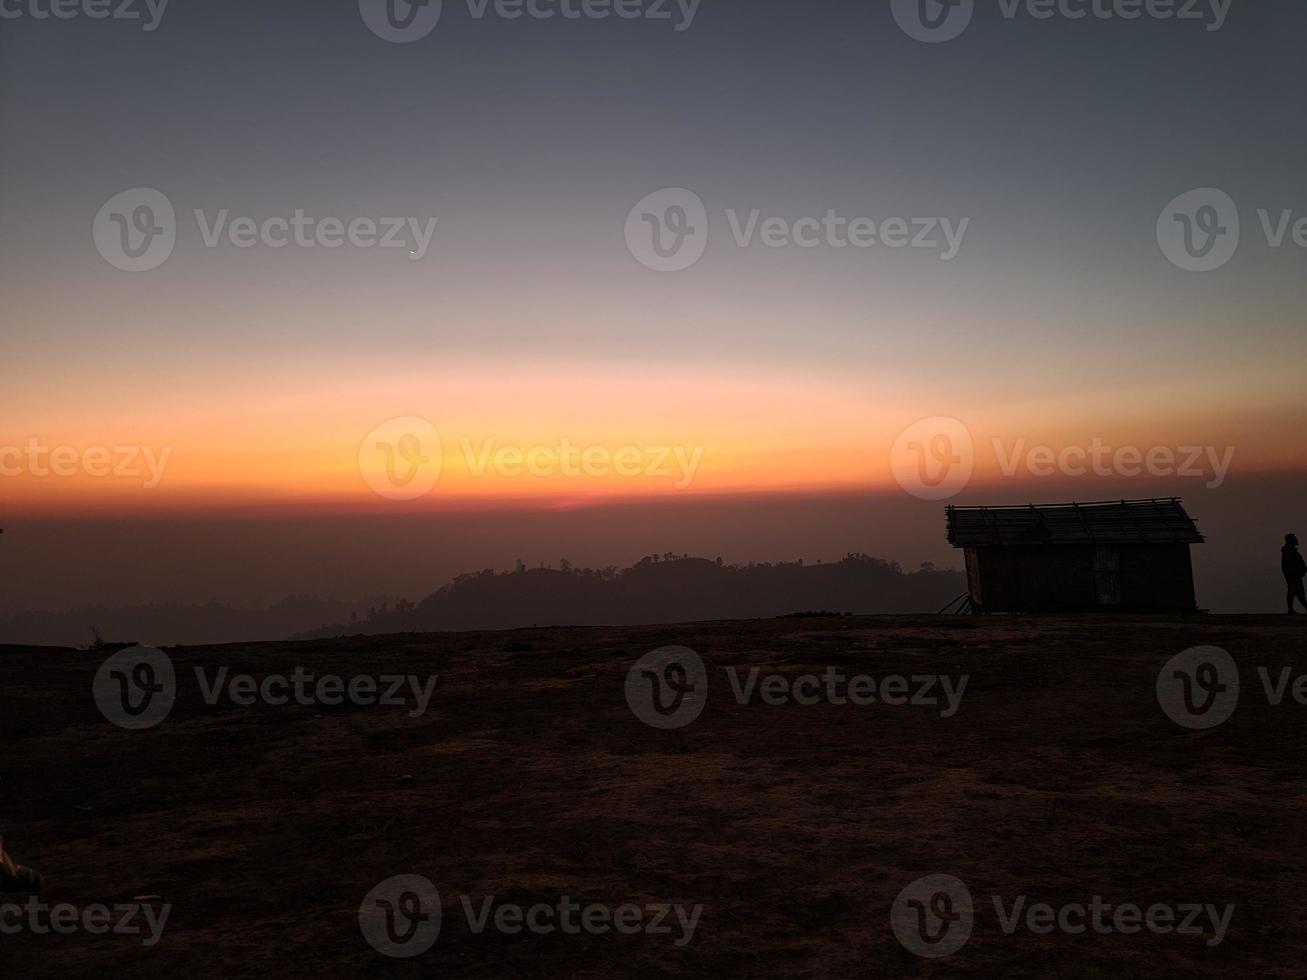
x=664 y=589
x=658 y=589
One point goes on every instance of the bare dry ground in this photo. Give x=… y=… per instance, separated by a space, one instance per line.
x=794 y=826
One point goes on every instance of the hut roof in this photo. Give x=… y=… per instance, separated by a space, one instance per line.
x=1154 y=521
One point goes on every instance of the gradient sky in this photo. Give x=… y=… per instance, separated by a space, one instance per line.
x=528 y=321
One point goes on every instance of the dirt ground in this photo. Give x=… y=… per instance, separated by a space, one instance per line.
x=794 y=826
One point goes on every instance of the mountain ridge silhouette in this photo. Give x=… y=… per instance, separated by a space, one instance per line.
x=663 y=589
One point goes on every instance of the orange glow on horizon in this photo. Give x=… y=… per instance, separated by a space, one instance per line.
x=572 y=436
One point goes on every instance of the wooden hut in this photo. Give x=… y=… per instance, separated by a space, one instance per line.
x=1110 y=556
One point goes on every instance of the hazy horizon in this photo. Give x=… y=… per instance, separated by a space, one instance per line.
x=253 y=559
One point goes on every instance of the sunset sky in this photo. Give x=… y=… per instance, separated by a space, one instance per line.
x=262 y=371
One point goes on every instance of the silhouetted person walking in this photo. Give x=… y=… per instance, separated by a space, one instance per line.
x=1294 y=568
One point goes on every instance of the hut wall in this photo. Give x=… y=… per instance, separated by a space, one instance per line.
x=1036 y=578
x=1157 y=578
x=1081 y=578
